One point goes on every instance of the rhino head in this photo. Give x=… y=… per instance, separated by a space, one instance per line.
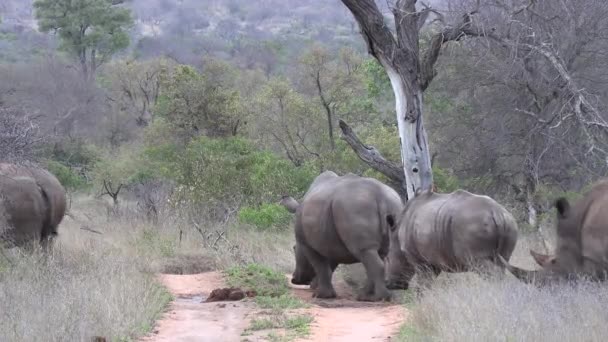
x=567 y=259
x=399 y=271
x=289 y=203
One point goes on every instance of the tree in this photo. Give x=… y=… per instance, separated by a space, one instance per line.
x=410 y=72
x=90 y=30
x=284 y=119
x=333 y=80
x=534 y=88
x=206 y=103
x=18 y=135
x=134 y=87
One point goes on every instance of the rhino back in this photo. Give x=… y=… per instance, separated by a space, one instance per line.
x=23 y=209
x=449 y=230
x=343 y=217
x=51 y=185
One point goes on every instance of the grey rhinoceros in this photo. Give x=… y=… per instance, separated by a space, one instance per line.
x=343 y=220
x=581 y=244
x=452 y=232
x=33 y=204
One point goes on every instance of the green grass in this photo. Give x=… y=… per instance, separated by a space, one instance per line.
x=274 y=298
x=263 y=280
x=298 y=323
x=283 y=302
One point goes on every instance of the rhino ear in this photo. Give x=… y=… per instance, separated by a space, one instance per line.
x=390 y=220
x=563 y=207
x=542 y=259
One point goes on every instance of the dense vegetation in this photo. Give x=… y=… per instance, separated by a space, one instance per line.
x=210 y=111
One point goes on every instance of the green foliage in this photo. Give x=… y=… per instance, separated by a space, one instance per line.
x=376 y=80
x=85 y=26
x=125 y=167
x=261 y=279
x=75 y=153
x=266 y=216
x=444 y=180
x=220 y=170
x=66 y=176
x=279 y=303
x=202 y=103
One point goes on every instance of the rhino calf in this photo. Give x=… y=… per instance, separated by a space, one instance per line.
x=582 y=241
x=343 y=220
x=454 y=232
x=33 y=203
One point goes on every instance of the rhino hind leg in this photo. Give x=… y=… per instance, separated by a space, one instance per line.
x=315 y=283
x=375 y=290
x=323 y=273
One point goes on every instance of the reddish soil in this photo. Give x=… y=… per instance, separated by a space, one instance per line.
x=190 y=318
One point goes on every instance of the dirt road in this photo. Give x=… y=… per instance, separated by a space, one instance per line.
x=342 y=319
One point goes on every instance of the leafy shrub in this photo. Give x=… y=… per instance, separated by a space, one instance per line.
x=232 y=169
x=266 y=216
x=66 y=176
x=444 y=180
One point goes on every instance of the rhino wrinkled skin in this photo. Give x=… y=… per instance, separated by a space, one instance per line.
x=581 y=244
x=453 y=232
x=343 y=220
x=32 y=205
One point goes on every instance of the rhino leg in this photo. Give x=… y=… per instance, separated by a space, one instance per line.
x=314 y=283
x=375 y=290
x=323 y=273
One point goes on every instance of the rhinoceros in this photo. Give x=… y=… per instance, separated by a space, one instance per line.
x=452 y=232
x=581 y=244
x=343 y=220
x=16 y=204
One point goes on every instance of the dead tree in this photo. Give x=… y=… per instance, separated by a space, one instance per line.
x=410 y=73
x=108 y=189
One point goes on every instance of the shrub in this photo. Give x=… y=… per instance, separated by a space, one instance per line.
x=233 y=170
x=266 y=216
x=66 y=176
x=444 y=180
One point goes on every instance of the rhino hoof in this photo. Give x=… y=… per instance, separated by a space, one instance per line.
x=324 y=293
x=382 y=297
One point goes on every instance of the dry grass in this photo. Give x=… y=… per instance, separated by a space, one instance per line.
x=465 y=307
x=99 y=280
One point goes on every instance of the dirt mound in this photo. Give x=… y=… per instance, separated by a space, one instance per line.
x=228 y=293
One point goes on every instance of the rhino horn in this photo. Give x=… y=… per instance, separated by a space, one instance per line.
x=521 y=274
x=289 y=203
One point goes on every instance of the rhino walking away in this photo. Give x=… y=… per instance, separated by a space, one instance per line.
x=581 y=244
x=32 y=204
x=453 y=232
x=343 y=220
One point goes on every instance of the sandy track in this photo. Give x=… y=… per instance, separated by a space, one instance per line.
x=342 y=319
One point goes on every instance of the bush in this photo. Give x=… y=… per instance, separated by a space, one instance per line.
x=266 y=216
x=444 y=180
x=214 y=171
x=66 y=176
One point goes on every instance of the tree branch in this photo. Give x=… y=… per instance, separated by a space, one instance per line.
x=371 y=22
x=373 y=157
x=464 y=28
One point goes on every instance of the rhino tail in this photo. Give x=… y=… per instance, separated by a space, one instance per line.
x=48 y=231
